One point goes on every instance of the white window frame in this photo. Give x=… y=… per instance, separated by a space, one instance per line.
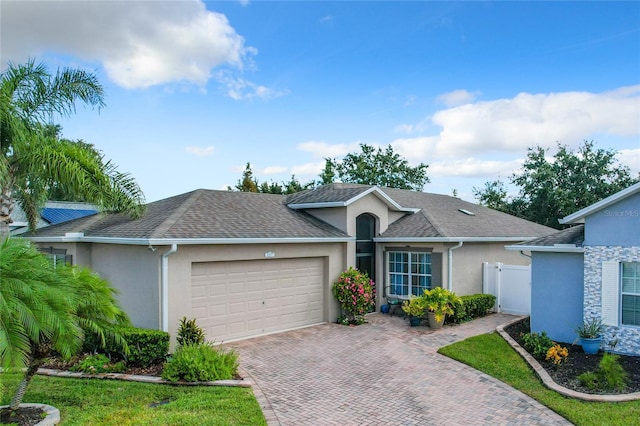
x=407 y=273
x=623 y=293
x=612 y=294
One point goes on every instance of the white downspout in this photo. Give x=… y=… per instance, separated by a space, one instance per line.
x=165 y=286
x=450 y=266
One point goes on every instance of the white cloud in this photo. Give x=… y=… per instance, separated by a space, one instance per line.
x=200 y=151
x=631 y=158
x=240 y=89
x=271 y=170
x=473 y=167
x=326 y=19
x=513 y=125
x=457 y=97
x=140 y=43
x=308 y=169
x=405 y=128
x=325 y=150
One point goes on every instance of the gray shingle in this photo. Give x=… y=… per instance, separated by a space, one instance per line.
x=205 y=214
x=573 y=235
x=442 y=214
x=225 y=214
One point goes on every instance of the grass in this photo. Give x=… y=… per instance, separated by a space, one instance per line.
x=490 y=354
x=115 y=402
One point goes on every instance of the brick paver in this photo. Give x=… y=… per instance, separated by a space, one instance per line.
x=381 y=373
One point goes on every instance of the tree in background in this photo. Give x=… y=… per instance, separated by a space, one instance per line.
x=247 y=183
x=552 y=189
x=33 y=159
x=374 y=166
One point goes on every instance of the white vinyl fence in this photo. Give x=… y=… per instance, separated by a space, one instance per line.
x=510 y=284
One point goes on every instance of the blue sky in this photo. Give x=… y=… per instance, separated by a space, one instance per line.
x=196 y=90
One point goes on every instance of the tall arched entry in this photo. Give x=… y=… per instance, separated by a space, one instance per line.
x=365 y=247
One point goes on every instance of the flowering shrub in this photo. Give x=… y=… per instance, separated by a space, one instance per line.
x=557 y=354
x=355 y=292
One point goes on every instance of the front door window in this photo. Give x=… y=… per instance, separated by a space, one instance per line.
x=365 y=247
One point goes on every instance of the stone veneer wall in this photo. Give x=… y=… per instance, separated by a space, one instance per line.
x=628 y=336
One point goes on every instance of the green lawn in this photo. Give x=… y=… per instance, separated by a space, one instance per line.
x=490 y=354
x=115 y=402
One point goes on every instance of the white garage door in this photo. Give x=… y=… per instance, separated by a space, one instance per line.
x=232 y=300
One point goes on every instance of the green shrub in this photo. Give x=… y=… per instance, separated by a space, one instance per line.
x=589 y=379
x=473 y=306
x=146 y=347
x=189 y=333
x=99 y=363
x=201 y=363
x=611 y=374
x=537 y=344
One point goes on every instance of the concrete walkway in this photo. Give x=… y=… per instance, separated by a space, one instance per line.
x=380 y=373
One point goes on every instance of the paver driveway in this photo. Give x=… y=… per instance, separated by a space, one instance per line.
x=381 y=373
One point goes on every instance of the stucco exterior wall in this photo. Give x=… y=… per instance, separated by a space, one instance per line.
x=135 y=272
x=467 y=264
x=628 y=337
x=557 y=294
x=180 y=269
x=617 y=225
x=335 y=216
x=132 y=270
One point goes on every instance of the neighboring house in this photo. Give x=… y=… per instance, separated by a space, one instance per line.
x=590 y=270
x=245 y=264
x=52 y=213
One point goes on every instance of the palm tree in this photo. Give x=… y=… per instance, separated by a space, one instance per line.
x=33 y=158
x=45 y=308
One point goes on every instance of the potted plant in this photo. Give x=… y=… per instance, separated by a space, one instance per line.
x=415 y=309
x=590 y=335
x=439 y=303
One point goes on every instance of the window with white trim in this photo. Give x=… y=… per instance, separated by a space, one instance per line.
x=630 y=293
x=408 y=273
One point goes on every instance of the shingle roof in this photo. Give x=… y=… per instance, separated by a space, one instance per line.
x=205 y=214
x=573 y=235
x=332 y=193
x=213 y=214
x=441 y=216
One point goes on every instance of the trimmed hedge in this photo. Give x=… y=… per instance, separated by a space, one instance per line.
x=146 y=347
x=473 y=306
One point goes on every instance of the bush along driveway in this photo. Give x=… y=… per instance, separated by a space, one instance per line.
x=383 y=372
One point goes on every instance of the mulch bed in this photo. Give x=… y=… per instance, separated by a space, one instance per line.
x=578 y=362
x=23 y=416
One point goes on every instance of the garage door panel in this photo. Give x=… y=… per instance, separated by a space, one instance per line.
x=246 y=298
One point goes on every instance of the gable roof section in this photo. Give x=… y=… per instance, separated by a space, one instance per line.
x=202 y=216
x=567 y=241
x=580 y=215
x=340 y=195
x=443 y=218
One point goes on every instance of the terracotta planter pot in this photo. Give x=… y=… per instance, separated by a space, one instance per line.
x=432 y=320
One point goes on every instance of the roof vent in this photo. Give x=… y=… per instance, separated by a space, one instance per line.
x=467 y=212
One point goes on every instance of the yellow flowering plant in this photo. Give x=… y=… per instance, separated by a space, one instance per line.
x=557 y=354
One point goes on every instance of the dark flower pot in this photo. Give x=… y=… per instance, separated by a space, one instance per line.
x=384 y=309
x=414 y=321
